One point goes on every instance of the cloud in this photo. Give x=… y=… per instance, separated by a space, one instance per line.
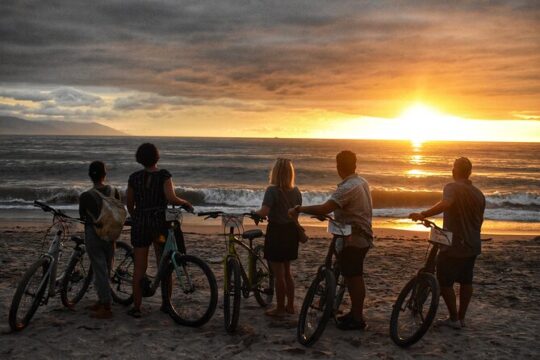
x=312 y=54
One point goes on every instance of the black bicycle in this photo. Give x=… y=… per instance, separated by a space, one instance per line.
x=325 y=294
x=417 y=303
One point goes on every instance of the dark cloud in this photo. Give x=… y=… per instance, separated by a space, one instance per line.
x=309 y=52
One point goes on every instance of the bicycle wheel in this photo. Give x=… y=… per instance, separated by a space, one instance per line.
x=194 y=294
x=76 y=280
x=29 y=294
x=122 y=274
x=264 y=280
x=341 y=287
x=317 y=308
x=232 y=295
x=414 y=310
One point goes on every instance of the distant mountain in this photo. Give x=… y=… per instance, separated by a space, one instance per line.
x=15 y=126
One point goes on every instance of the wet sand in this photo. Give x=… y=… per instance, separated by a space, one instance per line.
x=503 y=319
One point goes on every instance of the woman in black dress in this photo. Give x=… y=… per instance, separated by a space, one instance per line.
x=148 y=193
x=281 y=242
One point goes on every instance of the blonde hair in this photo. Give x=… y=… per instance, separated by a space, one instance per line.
x=282 y=174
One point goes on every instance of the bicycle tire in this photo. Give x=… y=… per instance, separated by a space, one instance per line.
x=232 y=295
x=341 y=288
x=70 y=275
x=121 y=275
x=263 y=295
x=208 y=277
x=423 y=282
x=328 y=293
x=41 y=265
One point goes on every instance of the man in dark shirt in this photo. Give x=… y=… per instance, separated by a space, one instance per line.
x=99 y=251
x=463 y=206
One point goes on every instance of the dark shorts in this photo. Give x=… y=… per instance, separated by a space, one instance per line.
x=281 y=242
x=351 y=261
x=142 y=237
x=451 y=270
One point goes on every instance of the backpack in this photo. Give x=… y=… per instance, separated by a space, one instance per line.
x=112 y=216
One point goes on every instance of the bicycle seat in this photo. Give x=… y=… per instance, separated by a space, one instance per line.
x=252 y=234
x=78 y=240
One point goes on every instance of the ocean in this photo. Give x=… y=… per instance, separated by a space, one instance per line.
x=232 y=173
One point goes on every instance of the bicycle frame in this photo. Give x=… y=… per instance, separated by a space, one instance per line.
x=53 y=254
x=249 y=276
x=431 y=261
x=235 y=227
x=170 y=250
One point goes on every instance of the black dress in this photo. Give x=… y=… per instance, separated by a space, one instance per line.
x=150 y=204
x=281 y=241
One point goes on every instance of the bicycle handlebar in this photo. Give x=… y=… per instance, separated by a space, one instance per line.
x=55 y=212
x=215 y=214
x=430 y=224
x=323 y=218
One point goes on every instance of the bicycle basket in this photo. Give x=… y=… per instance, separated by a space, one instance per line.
x=173 y=215
x=336 y=228
x=441 y=237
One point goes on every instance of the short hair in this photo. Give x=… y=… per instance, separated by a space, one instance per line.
x=97 y=171
x=282 y=174
x=147 y=155
x=346 y=161
x=463 y=167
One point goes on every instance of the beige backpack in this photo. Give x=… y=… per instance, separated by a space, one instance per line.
x=112 y=216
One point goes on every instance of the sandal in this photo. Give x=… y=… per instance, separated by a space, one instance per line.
x=136 y=313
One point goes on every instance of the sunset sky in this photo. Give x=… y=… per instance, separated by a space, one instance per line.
x=460 y=70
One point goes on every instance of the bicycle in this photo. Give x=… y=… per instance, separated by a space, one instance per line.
x=237 y=282
x=195 y=285
x=409 y=320
x=326 y=292
x=40 y=282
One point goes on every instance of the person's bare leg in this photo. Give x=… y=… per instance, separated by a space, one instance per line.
x=357 y=291
x=141 y=262
x=465 y=295
x=289 y=288
x=279 y=282
x=449 y=297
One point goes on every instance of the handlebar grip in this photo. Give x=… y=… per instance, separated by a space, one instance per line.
x=209 y=213
x=322 y=217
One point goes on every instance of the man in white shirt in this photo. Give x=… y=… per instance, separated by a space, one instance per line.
x=351 y=204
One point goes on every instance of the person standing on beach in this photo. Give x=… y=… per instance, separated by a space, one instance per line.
x=351 y=204
x=281 y=241
x=99 y=251
x=463 y=206
x=148 y=193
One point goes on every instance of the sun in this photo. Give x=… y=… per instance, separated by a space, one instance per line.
x=420 y=122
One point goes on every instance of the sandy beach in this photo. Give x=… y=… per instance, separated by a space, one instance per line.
x=503 y=320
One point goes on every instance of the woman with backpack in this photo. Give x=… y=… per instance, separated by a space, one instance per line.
x=282 y=233
x=99 y=243
x=149 y=192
